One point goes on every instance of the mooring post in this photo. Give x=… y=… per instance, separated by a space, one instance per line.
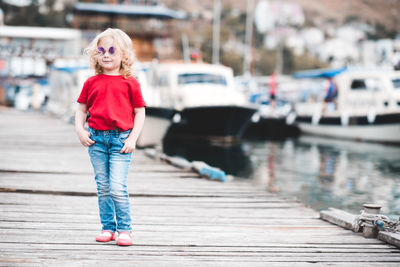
x=369 y=230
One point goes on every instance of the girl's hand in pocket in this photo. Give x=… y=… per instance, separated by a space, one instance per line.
x=129 y=146
x=84 y=138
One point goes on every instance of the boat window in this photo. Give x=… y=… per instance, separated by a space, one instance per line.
x=396 y=83
x=358 y=85
x=189 y=78
x=369 y=84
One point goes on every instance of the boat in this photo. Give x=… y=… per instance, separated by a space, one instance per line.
x=210 y=107
x=66 y=84
x=157 y=123
x=158 y=118
x=367 y=106
x=270 y=122
x=212 y=124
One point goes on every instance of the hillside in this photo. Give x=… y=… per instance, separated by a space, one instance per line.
x=384 y=14
x=375 y=12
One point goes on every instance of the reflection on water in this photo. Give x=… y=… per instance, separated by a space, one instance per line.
x=231 y=159
x=331 y=173
x=271 y=168
x=321 y=172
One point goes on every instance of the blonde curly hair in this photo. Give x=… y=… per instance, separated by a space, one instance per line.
x=122 y=42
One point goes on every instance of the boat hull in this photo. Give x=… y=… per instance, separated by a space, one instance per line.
x=275 y=128
x=385 y=128
x=157 y=122
x=216 y=124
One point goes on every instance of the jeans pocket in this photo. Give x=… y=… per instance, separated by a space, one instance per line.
x=91 y=132
x=122 y=136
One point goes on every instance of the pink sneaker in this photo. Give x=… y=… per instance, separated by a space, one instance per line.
x=105 y=236
x=124 y=239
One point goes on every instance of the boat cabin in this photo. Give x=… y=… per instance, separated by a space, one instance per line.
x=181 y=85
x=360 y=92
x=363 y=92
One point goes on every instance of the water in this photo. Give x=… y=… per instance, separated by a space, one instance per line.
x=320 y=172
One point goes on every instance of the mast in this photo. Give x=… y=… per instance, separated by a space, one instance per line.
x=247 y=55
x=216 y=31
x=185 y=48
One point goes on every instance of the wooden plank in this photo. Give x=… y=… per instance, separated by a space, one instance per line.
x=242 y=255
x=187 y=261
x=391 y=238
x=338 y=217
x=227 y=257
x=277 y=248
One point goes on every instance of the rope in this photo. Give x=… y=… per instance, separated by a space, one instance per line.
x=381 y=222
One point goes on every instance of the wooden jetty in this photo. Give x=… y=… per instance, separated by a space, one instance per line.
x=49 y=215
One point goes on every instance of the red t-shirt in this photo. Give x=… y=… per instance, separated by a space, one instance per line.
x=111 y=101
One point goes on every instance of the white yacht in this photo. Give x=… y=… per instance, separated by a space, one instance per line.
x=158 y=118
x=210 y=106
x=367 y=106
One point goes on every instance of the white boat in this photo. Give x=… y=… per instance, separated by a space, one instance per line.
x=66 y=84
x=367 y=108
x=210 y=106
x=157 y=123
x=270 y=120
x=158 y=119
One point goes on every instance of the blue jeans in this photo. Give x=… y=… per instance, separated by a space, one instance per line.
x=111 y=171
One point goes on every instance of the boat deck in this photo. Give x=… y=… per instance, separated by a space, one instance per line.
x=49 y=216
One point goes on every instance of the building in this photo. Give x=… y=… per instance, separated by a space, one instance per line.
x=28 y=51
x=147 y=22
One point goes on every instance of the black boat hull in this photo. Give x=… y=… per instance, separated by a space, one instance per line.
x=220 y=124
x=159 y=112
x=271 y=129
x=157 y=122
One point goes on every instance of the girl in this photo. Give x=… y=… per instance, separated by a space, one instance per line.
x=117 y=110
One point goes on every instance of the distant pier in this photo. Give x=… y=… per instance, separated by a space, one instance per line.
x=49 y=214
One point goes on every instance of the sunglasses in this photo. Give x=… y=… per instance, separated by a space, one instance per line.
x=102 y=51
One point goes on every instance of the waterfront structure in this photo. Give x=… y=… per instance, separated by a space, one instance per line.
x=25 y=56
x=179 y=219
x=27 y=50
